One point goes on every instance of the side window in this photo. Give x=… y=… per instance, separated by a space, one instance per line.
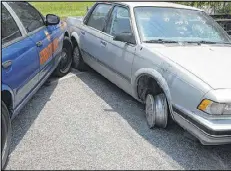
x=10 y=30
x=29 y=16
x=119 y=21
x=97 y=19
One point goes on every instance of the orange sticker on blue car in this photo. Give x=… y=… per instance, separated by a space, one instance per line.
x=47 y=52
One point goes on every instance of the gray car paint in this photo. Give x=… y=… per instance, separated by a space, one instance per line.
x=187 y=74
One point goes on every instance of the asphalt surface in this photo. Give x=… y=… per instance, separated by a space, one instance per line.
x=83 y=121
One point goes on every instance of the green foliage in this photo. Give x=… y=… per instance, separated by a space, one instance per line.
x=62 y=9
x=217 y=7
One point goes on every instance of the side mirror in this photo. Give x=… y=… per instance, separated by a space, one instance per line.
x=52 y=19
x=125 y=37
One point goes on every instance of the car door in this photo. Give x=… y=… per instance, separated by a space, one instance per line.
x=92 y=30
x=20 y=60
x=35 y=27
x=118 y=55
x=56 y=33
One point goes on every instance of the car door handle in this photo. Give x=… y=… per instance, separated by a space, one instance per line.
x=39 y=43
x=82 y=32
x=7 y=64
x=103 y=43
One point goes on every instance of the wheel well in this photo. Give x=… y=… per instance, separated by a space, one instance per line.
x=7 y=99
x=147 y=83
x=67 y=43
x=66 y=34
x=73 y=40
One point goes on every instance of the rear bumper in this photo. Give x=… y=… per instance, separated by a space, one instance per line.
x=208 y=131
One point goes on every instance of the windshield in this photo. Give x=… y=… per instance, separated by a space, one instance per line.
x=155 y=23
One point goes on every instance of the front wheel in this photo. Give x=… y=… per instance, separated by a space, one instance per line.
x=156 y=109
x=5 y=134
x=64 y=65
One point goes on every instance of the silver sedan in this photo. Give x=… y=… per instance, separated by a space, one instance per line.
x=174 y=59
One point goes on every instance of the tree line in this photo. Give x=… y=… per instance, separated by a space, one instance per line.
x=211 y=7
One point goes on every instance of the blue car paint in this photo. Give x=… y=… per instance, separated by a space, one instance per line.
x=25 y=76
x=25 y=66
x=47 y=66
x=57 y=32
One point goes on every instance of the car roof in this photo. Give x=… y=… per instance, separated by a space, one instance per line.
x=158 y=4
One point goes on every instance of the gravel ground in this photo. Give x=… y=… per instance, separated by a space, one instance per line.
x=83 y=121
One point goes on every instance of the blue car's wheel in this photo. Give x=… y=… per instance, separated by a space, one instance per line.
x=5 y=134
x=66 y=59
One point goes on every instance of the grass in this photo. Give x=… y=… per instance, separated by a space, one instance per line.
x=62 y=9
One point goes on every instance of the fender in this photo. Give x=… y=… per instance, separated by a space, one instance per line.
x=76 y=36
x=160 y=80
x=7 y=88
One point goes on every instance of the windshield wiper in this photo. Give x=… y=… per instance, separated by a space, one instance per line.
x=160 y=41
x=207 y=42
x=180 y=42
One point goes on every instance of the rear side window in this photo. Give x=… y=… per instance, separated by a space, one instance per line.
x=10 y=30
x=97 y=19
x=29 y=16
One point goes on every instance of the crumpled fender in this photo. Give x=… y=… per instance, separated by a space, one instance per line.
x=63 y=26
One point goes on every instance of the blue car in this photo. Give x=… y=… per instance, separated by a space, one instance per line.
x=33 y=48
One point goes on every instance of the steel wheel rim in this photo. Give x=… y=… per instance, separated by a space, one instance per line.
x=150 y=110
x=161 y=110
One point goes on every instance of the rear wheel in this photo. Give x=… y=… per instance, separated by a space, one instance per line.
x=66 y=59
x=5 y=134
x=156 y=109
